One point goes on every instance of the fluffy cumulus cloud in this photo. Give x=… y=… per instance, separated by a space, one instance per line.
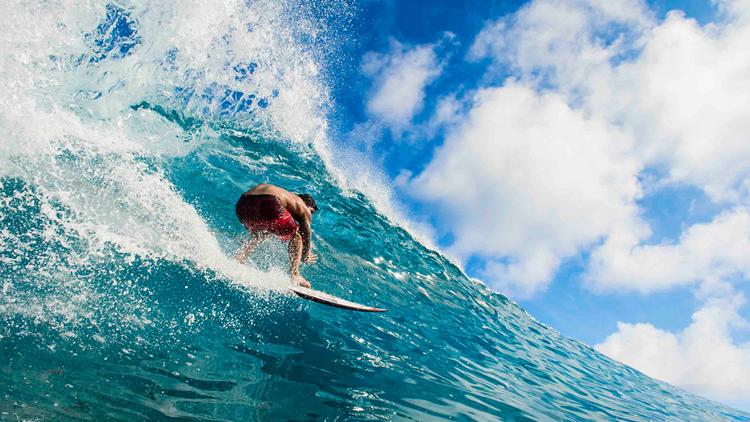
x=525 y=181
x=701 y=358
x=681 y=89
x=400 y=77
x=531 y=177
x=719 y=249
x=668 y=95
x=687 y=98
x=560 y=42
x=549 y=164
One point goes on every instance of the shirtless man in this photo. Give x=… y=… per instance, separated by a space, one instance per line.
x=267 y=210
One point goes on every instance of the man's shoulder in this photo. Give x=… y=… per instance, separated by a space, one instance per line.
x=288 y=199
x=264 y=187
x=294 y=204
x=267 y=188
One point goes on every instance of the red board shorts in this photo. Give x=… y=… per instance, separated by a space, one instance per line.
x=264 y=213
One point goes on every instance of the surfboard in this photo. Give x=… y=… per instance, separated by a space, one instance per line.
x=331 y=300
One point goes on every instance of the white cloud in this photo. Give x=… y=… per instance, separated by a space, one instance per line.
x=400 y=78
x=526 y=181
x=687 y=98
x=560 y=42
x=630 y=93
x=734 y=9
x=702 y=358
x=682 y=90
x=447 y=113
x=719 y=249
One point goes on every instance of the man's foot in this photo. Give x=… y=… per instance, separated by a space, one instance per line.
x=298 y=280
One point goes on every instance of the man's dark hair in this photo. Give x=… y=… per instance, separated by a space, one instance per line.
x=307 y=199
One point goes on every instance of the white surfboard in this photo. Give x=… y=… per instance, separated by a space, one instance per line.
x=330 y=300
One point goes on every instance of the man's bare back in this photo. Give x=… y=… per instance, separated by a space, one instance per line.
x=267 y=210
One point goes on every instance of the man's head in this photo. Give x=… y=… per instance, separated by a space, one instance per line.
x=309 y=201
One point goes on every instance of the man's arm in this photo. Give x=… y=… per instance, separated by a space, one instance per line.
x=302 y=215
x=305 y=230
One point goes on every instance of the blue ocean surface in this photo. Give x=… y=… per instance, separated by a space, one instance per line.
x=123 y=153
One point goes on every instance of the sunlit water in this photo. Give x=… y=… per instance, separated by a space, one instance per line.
x=127 y=134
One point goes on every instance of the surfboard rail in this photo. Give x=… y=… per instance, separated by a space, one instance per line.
x=331 y=300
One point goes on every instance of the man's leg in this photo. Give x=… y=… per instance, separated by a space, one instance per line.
x=248 y=246
x=295 y=256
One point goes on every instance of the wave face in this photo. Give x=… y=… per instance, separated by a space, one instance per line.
x=127 y=133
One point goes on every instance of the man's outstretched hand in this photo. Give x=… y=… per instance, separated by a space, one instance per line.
x=311 y=258
x=298 y=280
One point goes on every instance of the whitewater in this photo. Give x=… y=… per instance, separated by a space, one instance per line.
x=127 y=132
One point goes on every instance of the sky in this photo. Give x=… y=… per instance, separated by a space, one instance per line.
x=589 y=159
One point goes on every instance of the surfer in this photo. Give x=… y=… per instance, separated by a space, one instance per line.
x=267 y=210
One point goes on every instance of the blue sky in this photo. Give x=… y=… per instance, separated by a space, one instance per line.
x=586 y=158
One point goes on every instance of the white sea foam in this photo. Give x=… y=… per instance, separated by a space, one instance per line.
x=67 y=128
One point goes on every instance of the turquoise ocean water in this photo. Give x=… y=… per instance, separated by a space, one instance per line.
x=127 y=134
